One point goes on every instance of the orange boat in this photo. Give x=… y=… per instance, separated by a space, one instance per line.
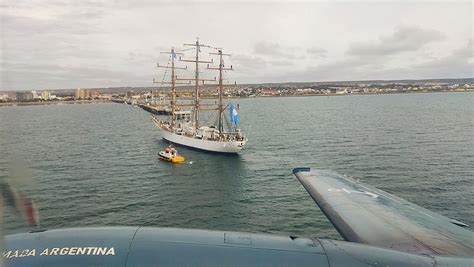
x=171 y=154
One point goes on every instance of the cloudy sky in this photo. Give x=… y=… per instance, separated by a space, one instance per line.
x=47 y=44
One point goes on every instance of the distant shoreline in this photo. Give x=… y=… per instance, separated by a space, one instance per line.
x=69 y=102
x=356 y=94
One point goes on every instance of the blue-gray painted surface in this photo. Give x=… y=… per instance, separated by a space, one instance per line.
x=365 y=214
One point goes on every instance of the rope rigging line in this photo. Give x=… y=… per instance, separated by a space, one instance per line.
x=183 y=50
x=166 y=70
x=209 y=117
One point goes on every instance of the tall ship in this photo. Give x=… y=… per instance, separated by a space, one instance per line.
x=186 y=129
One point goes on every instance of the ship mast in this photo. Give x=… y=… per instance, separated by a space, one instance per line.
x=221 y=68
x=196 y=79
x=173 y=89
x=172 y=82
x=196 y=90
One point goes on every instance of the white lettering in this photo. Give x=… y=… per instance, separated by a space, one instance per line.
x=24 y=253
x=14 y=255
x=63 y=251
x=45 y=252
x=54 y=251
x=32 y=253
x=72 y=251
x=101 y=251
x=81 y=251
x=89 y=250
x=110 y=252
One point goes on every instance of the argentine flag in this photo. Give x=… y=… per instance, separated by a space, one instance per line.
x=234 y=116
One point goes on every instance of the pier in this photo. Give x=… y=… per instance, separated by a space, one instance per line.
x=157 y=110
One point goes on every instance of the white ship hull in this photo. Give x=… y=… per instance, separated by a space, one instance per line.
x=231 y=147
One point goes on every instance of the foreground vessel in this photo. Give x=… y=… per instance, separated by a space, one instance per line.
x=379 y=229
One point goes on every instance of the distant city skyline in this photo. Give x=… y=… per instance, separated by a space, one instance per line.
x=92 y=44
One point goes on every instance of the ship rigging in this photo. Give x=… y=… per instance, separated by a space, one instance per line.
x=192 y=132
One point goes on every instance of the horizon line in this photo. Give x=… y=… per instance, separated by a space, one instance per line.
x=294 y=82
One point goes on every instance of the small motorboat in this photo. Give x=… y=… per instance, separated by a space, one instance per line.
x=171 y=154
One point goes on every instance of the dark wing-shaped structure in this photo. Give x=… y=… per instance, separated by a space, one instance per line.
x=364 y=214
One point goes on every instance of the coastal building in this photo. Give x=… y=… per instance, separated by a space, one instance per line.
x=45 y=95
x=93 y=93
x=35 y=95
x=77 y=93
x=24 y=96
x=4 y=98
x=86 y=93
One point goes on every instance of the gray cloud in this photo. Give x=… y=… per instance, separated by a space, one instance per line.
x=269 y=49
x=101 y=43
x=64 y=24
x=266 y=48
x=50 y=75
x=140 y=57
x=404 y=39
x=282 y=63
x=459 y=64
x=317 y=52
x=248 y=64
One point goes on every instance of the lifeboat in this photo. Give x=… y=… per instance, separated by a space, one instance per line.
x=171 y=154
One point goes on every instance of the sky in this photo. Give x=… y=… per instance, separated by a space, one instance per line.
x=54 y=44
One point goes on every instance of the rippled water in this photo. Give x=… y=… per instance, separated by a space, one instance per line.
x=97 y=164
